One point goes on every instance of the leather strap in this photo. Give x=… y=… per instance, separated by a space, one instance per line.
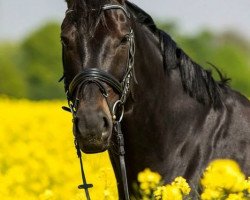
x=95 y=75
x=112 y=6
x=120 y=141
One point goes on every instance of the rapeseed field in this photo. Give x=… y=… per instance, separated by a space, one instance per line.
x=38 y=158
x=38 y=161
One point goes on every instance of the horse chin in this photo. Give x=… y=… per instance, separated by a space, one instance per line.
x=95 y=147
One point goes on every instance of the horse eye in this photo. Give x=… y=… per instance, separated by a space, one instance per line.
x=64 y=41
x=125 y=40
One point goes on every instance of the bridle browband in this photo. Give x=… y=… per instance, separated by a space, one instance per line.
x=98 y=77
x=113 y=6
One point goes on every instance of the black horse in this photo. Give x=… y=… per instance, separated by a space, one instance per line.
x=177 y=118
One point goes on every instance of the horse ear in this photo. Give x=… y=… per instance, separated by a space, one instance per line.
x=69 y=3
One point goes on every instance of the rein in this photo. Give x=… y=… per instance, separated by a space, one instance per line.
x=98 y=77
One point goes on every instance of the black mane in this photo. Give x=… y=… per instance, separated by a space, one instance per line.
x=196 y=81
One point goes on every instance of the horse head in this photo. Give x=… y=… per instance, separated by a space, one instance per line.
x=98 y=48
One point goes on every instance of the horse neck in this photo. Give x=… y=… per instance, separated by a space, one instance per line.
x=149 y=70
x=157 y=109
x=160 y=100
x=149 y=92
x=154 y=85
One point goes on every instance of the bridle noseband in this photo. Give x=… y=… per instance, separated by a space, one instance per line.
x=99 y=77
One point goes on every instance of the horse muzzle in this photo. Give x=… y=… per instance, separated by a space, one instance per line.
x=93 y=130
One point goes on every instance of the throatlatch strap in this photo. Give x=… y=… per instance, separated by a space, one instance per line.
x=120 y=141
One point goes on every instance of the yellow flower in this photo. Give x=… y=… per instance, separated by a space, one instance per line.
x=174 y=191
x=148 y=180
x=211 y=194
x=158 y=193
x=47 y=195
x=182 y=184
x=148 y=176
x=239 y=196
x=168 y=192
x=224 y=174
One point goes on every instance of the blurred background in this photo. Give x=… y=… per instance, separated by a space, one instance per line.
x=215 y=31
x=38 y=158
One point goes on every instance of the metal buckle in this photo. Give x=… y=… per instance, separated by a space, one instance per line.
x=114 y=111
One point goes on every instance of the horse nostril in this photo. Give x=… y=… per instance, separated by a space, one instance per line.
x=105 y=123
x=105 y=128
x=93 y=123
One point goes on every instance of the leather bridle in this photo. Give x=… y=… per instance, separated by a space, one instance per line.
x=99 y=77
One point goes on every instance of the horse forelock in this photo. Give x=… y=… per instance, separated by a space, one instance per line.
x=86 y=14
